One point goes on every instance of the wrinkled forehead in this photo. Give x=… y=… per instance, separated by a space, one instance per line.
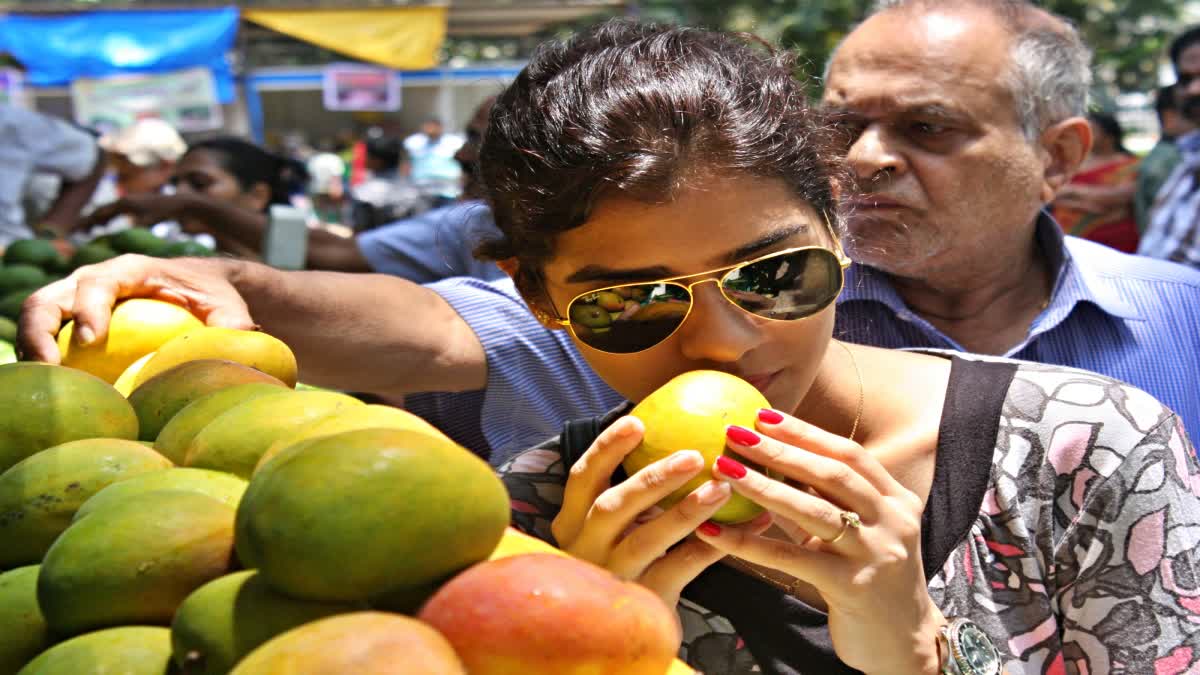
x=899 y=56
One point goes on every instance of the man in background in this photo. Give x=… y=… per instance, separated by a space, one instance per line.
x=1158 y=164
x=387 y=195
x=141 y=161
x=32 y=143
x=143 y=156
x=434 y=170
x=1174 y=229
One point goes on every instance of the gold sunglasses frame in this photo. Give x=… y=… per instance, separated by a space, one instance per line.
x=724 y=272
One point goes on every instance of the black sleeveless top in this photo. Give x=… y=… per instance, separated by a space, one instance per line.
x=786 y=635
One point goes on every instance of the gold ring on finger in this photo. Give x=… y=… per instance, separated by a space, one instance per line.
x=850 y=519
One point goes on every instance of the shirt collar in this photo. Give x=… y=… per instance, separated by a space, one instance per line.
x=1079 y=280
x=1073 y=282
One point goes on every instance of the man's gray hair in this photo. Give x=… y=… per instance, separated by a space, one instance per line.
x=1050 y=77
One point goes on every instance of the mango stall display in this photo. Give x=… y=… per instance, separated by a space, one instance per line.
x=217 y=520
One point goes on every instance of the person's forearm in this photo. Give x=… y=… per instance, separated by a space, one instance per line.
x=329 y=251
x=63 y=214
x=236 y=227
x=1114 y=196
x=239 y=231
x=365 y=333
x=1099 y=198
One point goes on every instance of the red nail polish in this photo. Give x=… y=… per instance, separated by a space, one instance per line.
x=742 y=435
x=768 y=416
x=710 y=528
x=730 y=467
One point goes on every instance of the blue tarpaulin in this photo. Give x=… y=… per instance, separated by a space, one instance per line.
x=56 y=49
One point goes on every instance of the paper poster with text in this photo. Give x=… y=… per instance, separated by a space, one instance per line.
x=185 y=99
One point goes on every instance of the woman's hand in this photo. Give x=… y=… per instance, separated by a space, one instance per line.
x=881 y=618
x=617 y=528
x=201 y=285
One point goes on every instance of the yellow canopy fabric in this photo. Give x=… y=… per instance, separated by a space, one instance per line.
x=404 y=38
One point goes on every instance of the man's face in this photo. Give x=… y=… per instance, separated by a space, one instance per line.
x=946 y=177
x=135 y=179
x=1187 y=72
x=1174 y=124
x=468 y=154
x=432 y=129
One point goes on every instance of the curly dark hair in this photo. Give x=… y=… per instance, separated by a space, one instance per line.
x=639 y=109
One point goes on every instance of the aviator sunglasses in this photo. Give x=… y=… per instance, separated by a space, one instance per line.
x=783 y=286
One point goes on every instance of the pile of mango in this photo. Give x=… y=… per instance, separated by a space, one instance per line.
x=218 y=520
x=29 y=264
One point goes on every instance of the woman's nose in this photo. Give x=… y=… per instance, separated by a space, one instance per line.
x=716 y=330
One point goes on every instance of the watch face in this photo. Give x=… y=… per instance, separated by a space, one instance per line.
x=977 y=651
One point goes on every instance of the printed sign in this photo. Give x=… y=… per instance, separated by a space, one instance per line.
x=185 y=99
x=358 y=87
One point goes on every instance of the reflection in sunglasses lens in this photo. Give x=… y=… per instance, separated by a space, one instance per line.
x=629 y=318
x=786 y=287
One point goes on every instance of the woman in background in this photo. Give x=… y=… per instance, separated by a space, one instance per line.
x=1098 y=202
x=223 y=186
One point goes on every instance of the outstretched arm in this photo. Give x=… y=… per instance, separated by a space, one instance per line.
x=369 y=333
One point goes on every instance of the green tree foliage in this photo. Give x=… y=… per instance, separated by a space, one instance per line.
x=1129 y=37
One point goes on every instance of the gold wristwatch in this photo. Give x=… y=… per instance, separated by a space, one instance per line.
x=967 y=650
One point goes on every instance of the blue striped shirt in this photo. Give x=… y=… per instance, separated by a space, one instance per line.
x=536 y=380
x=1132 y=318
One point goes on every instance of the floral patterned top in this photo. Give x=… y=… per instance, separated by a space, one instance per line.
x=1064 y=519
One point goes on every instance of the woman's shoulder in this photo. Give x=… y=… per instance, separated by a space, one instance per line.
x=1078 y=442
x=1041 y=397
x=1061 y=428
x=1049 y=399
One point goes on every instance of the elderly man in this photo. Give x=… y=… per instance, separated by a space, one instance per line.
x=1174 y=230
x=964 y=119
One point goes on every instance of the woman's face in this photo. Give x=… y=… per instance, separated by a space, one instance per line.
x=713 y=223
x=199 y=172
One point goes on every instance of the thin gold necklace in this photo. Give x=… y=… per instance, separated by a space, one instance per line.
x=862 y=394
x=760 y=572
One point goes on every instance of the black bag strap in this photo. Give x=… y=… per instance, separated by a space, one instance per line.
x=577 y=437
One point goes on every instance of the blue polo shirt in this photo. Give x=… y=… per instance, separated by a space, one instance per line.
x=433 y=245
x=1132 y=318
